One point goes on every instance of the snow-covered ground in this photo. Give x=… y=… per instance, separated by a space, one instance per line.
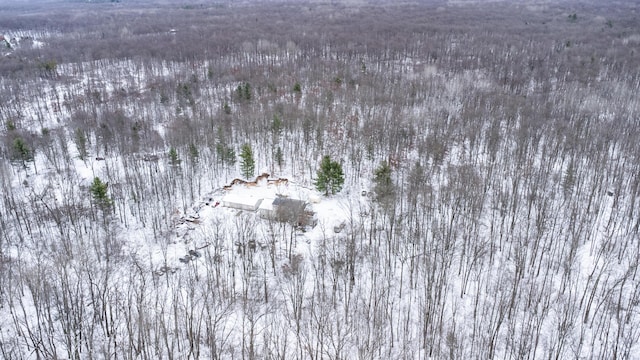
x=509 y=236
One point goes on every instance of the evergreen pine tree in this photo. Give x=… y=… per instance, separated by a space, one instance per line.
x=226 y=154
x=193 y=153
x=21 y=151
x=247 y=163
x=239 y=93
x=279 y=158
x=330 y=176
x=247 y=91
x=98 y=191
x=173 y=157
x=384 y=187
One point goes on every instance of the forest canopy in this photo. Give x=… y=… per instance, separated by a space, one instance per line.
x=459 y=179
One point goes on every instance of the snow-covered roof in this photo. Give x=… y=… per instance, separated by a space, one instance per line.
x=266 y=205
x=237 y=200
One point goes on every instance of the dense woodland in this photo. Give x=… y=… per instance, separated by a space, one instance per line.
x=498 y=144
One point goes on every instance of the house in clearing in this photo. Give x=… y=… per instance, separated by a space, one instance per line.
x=248 y=203
x=283 y=209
